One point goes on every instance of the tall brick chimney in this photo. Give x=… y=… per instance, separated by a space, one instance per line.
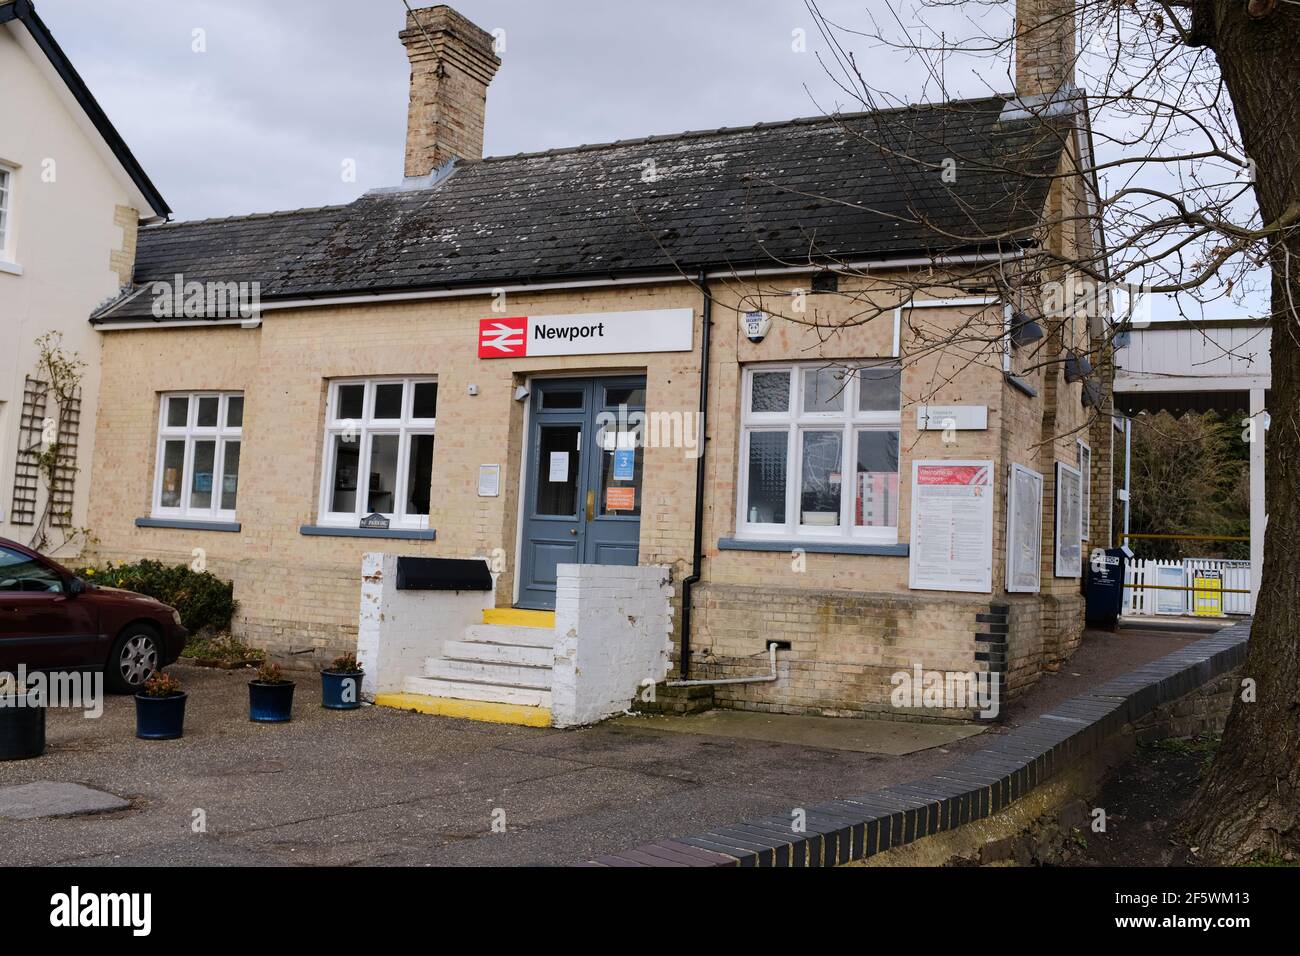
x=452 y=63
x=1045 y=46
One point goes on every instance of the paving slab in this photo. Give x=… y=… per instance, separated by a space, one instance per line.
x=49 y=798
x=896 y=738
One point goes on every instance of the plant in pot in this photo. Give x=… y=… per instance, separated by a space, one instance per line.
x=270 y=696
x=160 y=709
x=341 y=684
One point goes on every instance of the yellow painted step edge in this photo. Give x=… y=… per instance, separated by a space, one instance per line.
x=487 y=711
x=519 y=617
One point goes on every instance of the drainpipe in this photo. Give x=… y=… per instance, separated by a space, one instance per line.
x=697 y=555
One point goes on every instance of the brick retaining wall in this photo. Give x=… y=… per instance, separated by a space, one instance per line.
x=976 y=787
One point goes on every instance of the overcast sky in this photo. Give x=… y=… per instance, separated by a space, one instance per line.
x=289 y=89
x=286 y=91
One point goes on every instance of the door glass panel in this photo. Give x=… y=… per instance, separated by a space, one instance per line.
x=382 y=485
x=875 y=503
x=620 y=475
x=556 y=478
x=178 y=411
x=205 y=456
x=419 y=474
x=819 y=490
x=347 y=461
x=230 y=476
x=768 y=452
x=556 y=399
x=173 y=465
x=631 y=396
x=207 y=416
x=20 y=573
x=388 y=401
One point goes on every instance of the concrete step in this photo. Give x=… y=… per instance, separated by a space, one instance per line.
x=469 y=690
x=503 y=634
x=509 y=675
x=519 y=617
x=498 y=653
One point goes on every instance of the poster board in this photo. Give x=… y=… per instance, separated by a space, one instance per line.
x=952 y=526
x=1069 y=522
x=1024 y=530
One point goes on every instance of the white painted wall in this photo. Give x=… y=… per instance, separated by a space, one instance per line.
x=62 y=234
x=613 y=627
x=399 y=629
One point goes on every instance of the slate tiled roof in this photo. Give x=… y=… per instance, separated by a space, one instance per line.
x=863 y=186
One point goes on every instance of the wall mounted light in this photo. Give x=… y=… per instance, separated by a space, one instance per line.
x=1024 y=330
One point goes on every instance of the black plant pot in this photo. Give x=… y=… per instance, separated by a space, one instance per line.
x=341 y=690
x=22 y=729
x=160 y=718
x=270 y=703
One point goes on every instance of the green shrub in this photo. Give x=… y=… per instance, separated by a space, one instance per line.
x=203 y=599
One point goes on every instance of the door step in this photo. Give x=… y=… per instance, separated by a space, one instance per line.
x=491 y=712
x=493 y=652
x=510 y=635
x=474 y=691
x=489 y=674
x=519 y=617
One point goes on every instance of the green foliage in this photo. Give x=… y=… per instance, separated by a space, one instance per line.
x=1190 y=475
x=203 y=599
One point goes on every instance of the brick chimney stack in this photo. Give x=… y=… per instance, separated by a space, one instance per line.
x=1045 y=46
x=452 y=63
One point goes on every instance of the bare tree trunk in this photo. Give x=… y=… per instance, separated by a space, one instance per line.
x=1249 y=802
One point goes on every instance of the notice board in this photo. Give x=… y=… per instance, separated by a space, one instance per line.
x=952 y=526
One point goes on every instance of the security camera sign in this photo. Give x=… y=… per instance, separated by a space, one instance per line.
x=596 y=333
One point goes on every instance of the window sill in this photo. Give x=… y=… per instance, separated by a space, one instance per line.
x=13 y=268
x=188 y=524
x=813 y=546
x=340 y=531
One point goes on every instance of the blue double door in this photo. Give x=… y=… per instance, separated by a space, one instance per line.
x=582 y=495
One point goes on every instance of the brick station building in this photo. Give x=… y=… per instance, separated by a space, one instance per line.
x=434 y=370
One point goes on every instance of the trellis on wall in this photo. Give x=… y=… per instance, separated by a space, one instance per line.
x=36 y=409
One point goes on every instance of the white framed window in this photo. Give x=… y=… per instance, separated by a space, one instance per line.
x=378 y=456
x=1085 y=470
x=6 y=212
x=819 y=452
x=200 y=437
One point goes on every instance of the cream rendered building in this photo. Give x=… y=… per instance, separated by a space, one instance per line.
x=71 y=199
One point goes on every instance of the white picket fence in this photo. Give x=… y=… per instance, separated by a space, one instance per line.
x=1236 y=574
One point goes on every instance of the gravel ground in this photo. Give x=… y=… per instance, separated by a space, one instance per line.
x=383 y=787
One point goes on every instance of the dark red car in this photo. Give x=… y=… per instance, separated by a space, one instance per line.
x=51 y=620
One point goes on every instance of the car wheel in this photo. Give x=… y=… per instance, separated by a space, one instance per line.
x=136 y=657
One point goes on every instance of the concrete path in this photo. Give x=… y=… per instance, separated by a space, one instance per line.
x=384 y=787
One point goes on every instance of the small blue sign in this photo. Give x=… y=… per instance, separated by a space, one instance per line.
x=624 y=464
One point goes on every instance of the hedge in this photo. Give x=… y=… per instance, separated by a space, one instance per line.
x=203 y=599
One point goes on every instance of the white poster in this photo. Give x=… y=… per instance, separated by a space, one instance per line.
x=489 y=481
x=952 y=526
x=1024 y=529
x=559 y=466
x=1069 y=522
